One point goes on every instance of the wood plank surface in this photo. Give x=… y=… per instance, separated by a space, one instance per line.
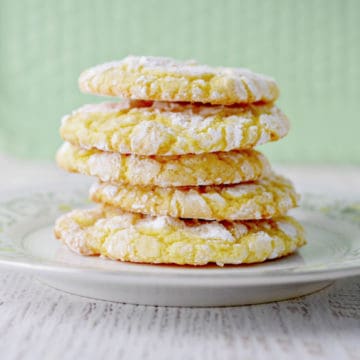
x=37 y=322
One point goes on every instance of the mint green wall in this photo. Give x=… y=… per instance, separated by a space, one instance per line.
x=311 y=47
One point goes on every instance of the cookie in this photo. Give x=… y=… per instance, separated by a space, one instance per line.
x=146 y=128
x=182 y=170
x=165 y=79
x=161 y=240
x=263 y=199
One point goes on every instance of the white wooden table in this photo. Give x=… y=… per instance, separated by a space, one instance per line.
x=37 y=322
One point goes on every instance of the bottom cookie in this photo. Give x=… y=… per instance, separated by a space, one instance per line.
x=164 y=240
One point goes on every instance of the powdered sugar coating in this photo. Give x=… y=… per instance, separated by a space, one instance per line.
x=146 y=128
x=183 y=170
x=165 y=79
x=138 y=238
x=266 y=198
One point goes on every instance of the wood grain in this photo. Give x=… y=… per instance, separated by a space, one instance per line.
x=37 y=322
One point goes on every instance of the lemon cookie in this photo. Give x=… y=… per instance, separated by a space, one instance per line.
x=182 y=170
x=269 y=197
x=140 y=238
x=165 y=79
x=146 y=128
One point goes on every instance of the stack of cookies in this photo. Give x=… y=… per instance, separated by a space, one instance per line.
x=179 y=180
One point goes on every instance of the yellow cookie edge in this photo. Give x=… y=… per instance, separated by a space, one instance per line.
x=183 y=170
x=162 y=240
x=164 y=79
x=265 y=198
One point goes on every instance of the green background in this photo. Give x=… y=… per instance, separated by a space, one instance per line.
x=312 y=48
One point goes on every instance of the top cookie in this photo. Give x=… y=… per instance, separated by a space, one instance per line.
x=165 y=79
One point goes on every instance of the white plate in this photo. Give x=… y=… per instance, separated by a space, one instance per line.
x=27 y=243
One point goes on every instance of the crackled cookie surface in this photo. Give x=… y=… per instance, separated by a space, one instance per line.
x=182 y=170
x=140 y=238
x=159 y=128
x=269 y=197
x=165 y=79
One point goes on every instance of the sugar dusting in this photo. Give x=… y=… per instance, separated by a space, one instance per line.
x=241 y=85
x=136 y=237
